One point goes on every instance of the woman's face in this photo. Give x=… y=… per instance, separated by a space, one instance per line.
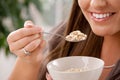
x=102 y=15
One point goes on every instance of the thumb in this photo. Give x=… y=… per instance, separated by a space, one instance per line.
x=28 y=24
x=48 y=77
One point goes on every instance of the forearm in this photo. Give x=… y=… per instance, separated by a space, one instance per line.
x=24 y=71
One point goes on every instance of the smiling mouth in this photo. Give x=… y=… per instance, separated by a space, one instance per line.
x=102 y=15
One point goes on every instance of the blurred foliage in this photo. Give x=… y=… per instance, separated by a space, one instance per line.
x=12 y=9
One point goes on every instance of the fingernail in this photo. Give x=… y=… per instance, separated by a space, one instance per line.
x=38 y=41
x=47 y=75
x=28 y=23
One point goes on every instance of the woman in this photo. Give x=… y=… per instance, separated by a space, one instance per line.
x=99 y=19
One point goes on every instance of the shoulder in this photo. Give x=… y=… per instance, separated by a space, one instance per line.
x=115 y=73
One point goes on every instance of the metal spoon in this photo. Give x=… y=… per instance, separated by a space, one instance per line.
x=67 y=38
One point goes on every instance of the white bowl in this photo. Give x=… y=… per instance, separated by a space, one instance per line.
x=93 y=68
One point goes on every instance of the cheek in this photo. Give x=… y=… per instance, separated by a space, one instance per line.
x=84 y=6
x=79 y=3
x=83 y=3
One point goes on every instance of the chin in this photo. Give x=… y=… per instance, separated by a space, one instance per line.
x=101 y=33
x=104 y=33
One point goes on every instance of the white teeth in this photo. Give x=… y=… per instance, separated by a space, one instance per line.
x=100 y=16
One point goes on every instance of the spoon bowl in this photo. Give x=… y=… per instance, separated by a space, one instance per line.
x=75 y=36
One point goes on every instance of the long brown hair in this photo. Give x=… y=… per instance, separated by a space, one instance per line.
x=60 y=48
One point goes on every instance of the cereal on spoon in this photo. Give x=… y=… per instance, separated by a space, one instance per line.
x=76 y=36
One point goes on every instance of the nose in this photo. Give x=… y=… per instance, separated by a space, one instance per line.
x=98 y=4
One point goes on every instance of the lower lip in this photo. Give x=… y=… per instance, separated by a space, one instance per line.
x=101 y=19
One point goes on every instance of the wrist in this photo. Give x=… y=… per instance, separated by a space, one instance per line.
x=25 y=70
x=28 y=62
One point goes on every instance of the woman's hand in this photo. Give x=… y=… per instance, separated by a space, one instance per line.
x=48 y=77
x=29 y=39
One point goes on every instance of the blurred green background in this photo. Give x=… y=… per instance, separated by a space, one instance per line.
x=12 y=9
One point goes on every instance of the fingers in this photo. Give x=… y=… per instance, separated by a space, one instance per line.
x=23 y=32
x=31 y=47
x=35 y=47
x=40 y=47
x=29 y=29
x=28 y=38
x=23 y=42
x=28 y=24
x=48 y=77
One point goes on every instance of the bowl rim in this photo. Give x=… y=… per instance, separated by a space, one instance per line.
x=74 y=57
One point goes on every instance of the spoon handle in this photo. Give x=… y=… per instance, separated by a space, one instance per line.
x=54 y=34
